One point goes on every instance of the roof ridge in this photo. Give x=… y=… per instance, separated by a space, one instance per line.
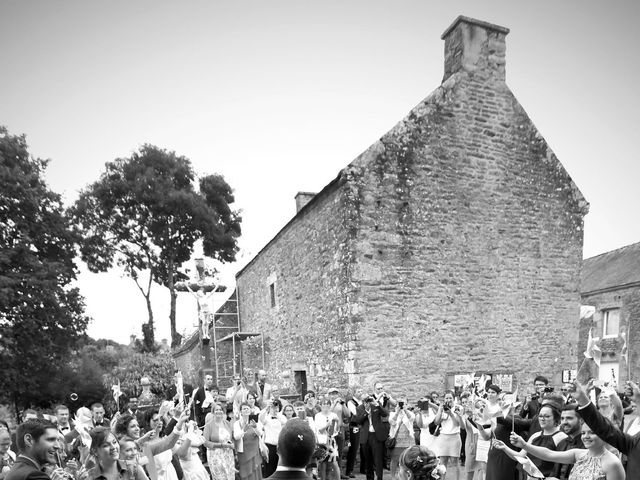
x=612 y=251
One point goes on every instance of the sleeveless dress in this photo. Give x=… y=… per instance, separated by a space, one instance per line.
x=221 y=460
x=192 y=467
x=551 y=442
x=164 y=467
x=587 y=468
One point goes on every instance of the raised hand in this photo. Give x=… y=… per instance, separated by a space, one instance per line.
x=581 y=395
x=517 y=440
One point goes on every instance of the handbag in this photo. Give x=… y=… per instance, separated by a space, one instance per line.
x=434 y=429
x=390 y=442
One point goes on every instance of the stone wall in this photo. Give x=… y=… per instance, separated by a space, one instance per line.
x=469 y=246
x=628 y=301
x=308 y=264
x=452 y=245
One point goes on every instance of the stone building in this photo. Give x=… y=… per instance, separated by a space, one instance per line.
x=189 y=355
x=611 y=287
x=451 y=245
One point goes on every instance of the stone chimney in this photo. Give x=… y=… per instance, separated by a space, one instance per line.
x=475 y=46
x=302 y=198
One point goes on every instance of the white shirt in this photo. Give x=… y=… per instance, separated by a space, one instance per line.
x=322 y=421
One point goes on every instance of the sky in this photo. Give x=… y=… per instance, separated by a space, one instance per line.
x=278 y=96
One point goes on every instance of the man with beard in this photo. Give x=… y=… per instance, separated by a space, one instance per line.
x=571 y=425
x=37 y=442
x=263 y=389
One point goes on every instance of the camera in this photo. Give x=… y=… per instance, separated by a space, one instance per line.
x=401 y=404
x=369 y=399
x=548 y=389
x=423 y=405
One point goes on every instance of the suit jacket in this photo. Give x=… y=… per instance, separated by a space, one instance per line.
x=172 y=390
x=263 y=395
x=289 y=475
x=379 y=417
x=625 y=443
x=200 y=413
x=26 y=469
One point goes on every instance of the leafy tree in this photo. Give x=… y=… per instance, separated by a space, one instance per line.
x=145 y=214
x=41 y=316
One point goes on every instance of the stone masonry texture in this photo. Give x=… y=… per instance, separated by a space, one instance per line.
x=451 y=245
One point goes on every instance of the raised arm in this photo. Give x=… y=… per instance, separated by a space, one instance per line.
x=600 y=425
x=567 y=456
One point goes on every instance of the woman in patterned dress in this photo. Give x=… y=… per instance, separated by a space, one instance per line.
x=594 y=463
x=218 y=436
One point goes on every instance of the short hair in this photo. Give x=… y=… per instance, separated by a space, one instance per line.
x=148 y=415
x=122 y=425
x=299 y=403
x=325 y=401
x=29 y=411
x=98 y=436
x=494 y=388
x=296 y=444
x=59 y=407
x=35 y=428
x=464 y=395
x=541 y=378
x=449 y=392
x=572 y=407
x=96 y=405
x=252 y=394
x=434 y=393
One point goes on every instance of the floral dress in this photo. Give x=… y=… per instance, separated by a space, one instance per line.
x=587 y=468
x=221 y=460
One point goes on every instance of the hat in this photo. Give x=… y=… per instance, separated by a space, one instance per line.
x=332 y=390
x=296 y=443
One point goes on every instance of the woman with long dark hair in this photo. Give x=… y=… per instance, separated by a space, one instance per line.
x=106 y=453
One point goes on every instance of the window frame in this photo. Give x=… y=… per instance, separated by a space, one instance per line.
x=605 y=322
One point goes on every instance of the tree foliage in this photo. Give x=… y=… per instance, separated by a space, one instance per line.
x=41 y=316
x=144 y=213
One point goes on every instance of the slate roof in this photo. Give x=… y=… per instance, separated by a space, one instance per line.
x=611 y=269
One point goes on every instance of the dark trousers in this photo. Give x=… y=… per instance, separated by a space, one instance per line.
x=354 y=446
x=269 y=467
x=340 y=445
x=374 y=457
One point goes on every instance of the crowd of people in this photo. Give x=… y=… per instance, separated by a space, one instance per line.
x=475 y=433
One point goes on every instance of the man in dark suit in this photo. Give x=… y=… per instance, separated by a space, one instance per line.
x=373 y=417
x=37 y=442
x=97 y=416
x=296 y=444
x=203 y=399
x=172 y=391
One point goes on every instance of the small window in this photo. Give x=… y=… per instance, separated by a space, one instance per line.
x=611 y=323
x=272 y=294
